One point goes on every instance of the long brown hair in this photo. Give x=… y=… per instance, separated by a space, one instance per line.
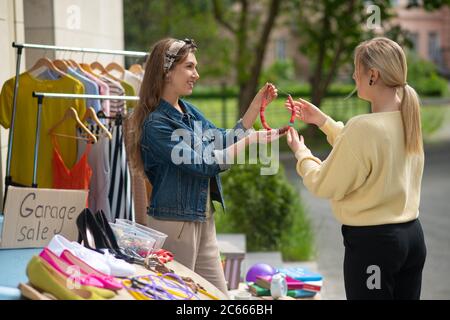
x=149 y=96
x=389 y=59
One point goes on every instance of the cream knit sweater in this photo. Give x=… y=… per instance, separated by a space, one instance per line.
x=368 y=176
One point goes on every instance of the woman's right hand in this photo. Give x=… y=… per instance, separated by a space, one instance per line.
x=269 y=90
x=307 y=112
x=294 y=141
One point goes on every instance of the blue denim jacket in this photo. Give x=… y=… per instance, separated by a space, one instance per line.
x=180 y=186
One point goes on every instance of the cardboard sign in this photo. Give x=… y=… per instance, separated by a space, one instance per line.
x=33 y=216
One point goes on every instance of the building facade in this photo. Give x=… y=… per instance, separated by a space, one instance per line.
x=77 y=23
x=428 y=31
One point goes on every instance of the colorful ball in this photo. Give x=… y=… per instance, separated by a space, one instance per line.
x=259 y=269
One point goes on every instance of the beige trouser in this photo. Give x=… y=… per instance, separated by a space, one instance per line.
x=194 y=245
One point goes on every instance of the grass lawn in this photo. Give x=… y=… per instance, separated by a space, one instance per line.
x=433 y=116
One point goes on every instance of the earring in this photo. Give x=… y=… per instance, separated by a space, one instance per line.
x=370 y=82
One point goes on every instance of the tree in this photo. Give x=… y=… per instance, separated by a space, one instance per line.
x=329 y=31
x=243 y=22
x=147 y=21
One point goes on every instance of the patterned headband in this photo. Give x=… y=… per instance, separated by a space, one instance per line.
x=173 y=50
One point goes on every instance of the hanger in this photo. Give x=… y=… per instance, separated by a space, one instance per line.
x=63 y=61
x=61 y=65
x=86 y=67
x=74 y=63
x=77 y=67
x=99 y=67
x=136 y=69
x=71 y=113
x=45 y=62
x=90 y=113
x=118 y=117
x=101 y=114
x=70 y=62
x=114 y=66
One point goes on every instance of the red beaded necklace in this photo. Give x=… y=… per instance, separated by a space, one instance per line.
x=263 y=107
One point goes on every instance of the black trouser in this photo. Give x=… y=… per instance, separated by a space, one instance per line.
x=384 y=261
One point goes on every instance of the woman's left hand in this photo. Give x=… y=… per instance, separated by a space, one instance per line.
x=294 y=141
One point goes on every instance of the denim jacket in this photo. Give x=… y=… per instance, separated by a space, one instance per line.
x=181 y=152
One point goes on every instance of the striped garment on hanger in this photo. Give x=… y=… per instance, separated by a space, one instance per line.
x=120 y=197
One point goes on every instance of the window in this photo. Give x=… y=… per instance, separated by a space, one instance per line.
x=414 y=3
x=280 y=48
x=434 y=47
x=414 y=38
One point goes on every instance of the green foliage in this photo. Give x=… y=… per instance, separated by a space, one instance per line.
x=146 y=22
x=268 y=210
x=246 y=22
x=330 y=30
x=423 y=76
x=432 y=119
x=280 y=71
x=298 y=243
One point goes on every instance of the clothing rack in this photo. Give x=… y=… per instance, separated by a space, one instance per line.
x=40 y=96
x=40 y=100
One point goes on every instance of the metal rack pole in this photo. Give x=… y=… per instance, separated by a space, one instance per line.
x=36 y=144
x=82 y=96
x=13 y=116
x=41 y=95
x=77 y=49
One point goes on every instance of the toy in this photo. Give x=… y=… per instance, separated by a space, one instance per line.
x=278 y=286
x=263 y=117
x=259 y=269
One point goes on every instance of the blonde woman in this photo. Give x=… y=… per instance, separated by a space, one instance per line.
x=373 y=176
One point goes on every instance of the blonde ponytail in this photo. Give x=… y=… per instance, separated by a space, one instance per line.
x=410 y=109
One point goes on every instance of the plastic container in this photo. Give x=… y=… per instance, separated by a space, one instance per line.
x=159 y=237
x=138 y=242
x=130 y=230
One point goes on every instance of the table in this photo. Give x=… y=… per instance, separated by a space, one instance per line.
x=180 y=270
x=13 y=263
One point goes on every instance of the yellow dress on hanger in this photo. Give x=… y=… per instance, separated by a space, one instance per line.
x=25 y=126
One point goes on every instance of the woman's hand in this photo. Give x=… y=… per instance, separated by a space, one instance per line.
x=264 y=136
x=294 y=141
x=269 y=90
x=261 y=136
x=307 y=112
